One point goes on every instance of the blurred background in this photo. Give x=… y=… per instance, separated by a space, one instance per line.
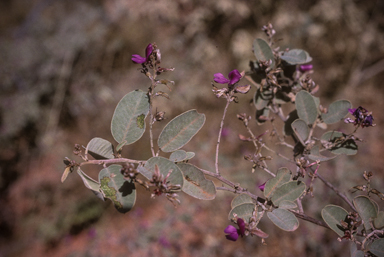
x=64 y=65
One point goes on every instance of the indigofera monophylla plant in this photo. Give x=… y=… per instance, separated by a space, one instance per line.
x=279 y=78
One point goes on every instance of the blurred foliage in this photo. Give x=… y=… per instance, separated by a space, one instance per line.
x=64 y=65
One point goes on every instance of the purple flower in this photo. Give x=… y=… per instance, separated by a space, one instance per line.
x=262 y=187
x=234 y=77
x=306 y=67
x=362 y=117
x=233 y=233
x=139 y=59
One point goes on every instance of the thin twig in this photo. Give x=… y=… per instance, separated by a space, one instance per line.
x=219 y=137
x=341 y=195
x=111 y=161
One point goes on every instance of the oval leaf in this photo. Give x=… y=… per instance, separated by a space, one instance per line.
x=377 y=247
x=240 y=199
x=379 y=220
x=340 y=146
x=354 y=251
x=243 y=211
x=114 y=186
x=333 y=215
x=175 y=178
x=284 y=219
x=180 y=130
x=287 y=205
x=306 y=107
x=195 y=183
x=128 y=121
x=316 y=156
x=262 y=51
x=283 y=176
x=100 y=149
x=289 y=191
x=90 y=183
x=190 y=155
x=301 y=130
x=178 y=156
x=336 y=111
x=296 y=56
x=366 y=210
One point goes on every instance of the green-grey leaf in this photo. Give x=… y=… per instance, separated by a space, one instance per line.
x=292 y=116
x=289 y=191
x=354 y=251
x=333 y=215
x=348 y=147
x=100 y=149
x=301 y=130
x=377 y=247
x=240 y=199
x=287 y=205
x=175 y=178
x=190 y=155
x=262 y=115
x=366 y=210
x=284 y=219
x=180 y=130
x=243 y=211
x=296 y=56
x=195 y=183
x=306 y=107
x=116 y=188
x=283 y=176
x=90 y=183
x=262 y=97
x=316 y=156
x=336 y=111
x=262 y=51
x=128 y=119
x=178 y=156
x=378 y=222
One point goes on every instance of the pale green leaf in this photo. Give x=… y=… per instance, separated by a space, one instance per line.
x=284 y=219
x=333 y=215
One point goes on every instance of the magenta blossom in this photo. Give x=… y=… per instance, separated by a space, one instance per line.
x=234 y=77
x=139 y=59
x=362 y=117
x=306 y=67
x=262 y=187
x=233 y=233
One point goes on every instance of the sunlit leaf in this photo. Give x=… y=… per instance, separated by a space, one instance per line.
x=301 y=130
x=336 y=111
x=243 y=211
x=116 y=188
x=180 y=130
x=100 y=149
x=366 y=210
x=340 y=145
x=283 y=175
x=128 y=119
x=240 y=199
x=333 y=215
x=178 y=156
x=289 y=191
x=91 y=184
x=262 y=51
x=284 y=219
x=195 y=183
x=296 y=56
x=306 y=107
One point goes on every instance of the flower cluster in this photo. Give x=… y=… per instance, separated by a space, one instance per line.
x=234 y=77
x=233 y=233
x=362 y=117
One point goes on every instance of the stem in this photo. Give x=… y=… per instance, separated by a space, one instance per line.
x=341 y=195
x=111 y=161
x=219 y=137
